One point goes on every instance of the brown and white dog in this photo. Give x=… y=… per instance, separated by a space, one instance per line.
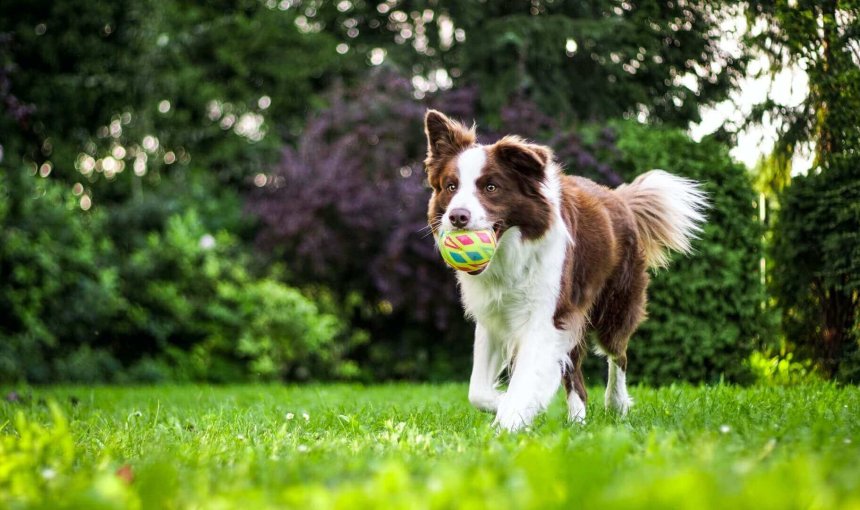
x=571 y=255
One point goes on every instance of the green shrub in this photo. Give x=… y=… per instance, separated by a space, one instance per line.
x=816 y=253
x=279 y=331
x=174 y=303
x=195 y=299
x=780 y=368
x=87 y=365
x=705 y=311
x=55 y=294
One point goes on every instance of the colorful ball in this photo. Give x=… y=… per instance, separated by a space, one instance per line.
x=468 y=250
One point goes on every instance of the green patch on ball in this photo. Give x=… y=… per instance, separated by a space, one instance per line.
x=468 y=250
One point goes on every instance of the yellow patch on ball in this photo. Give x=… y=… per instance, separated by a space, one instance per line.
x=467 y=250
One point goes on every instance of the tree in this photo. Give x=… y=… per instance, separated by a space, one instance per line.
x=579 y=60
x=815 y=240
x=121 y=95
x=816 y=275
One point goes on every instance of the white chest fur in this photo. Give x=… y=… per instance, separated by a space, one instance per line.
x=521 y=286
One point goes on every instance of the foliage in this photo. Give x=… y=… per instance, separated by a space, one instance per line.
x=120 y=95
x=820 y=37
x=705 y=310
x=81 y=309
x=56 y=294
x=781 y=368
x=422 y=446
x=815 y=241
x=149 y=121
x=281 y=333
x=817 y=248
x=191 y=295
x=581 y=60
x=34 y=455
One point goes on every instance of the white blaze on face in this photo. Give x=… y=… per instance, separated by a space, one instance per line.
x=469 y=166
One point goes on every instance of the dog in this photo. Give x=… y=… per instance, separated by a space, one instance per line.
x=572 y=255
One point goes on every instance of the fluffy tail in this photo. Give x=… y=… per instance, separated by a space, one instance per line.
x=669 y=213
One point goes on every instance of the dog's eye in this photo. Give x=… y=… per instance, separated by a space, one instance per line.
x=451 y=188
x=490 y=188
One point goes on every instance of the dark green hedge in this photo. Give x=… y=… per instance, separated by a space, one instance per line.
x=816 y=248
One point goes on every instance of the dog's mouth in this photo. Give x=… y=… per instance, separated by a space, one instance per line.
x=498 y=230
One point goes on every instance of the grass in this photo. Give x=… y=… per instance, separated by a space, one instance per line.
x=422 y=446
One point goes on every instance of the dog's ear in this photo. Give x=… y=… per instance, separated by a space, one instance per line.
x=526 y=158
x=445 y=137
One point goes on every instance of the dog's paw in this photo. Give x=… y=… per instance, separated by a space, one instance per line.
x=485 y=401
x=512 y=417
x=621 y=404
x=575 y=409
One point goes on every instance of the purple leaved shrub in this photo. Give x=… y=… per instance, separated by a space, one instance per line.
x=346 y=206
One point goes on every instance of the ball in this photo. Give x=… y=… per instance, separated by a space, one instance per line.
x=467 y=250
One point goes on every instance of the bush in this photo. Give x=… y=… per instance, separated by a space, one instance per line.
x=816 y=248
x=55 y=294
x=175 y=303
x=193 y=297
x=705 y=310
x=279 y=331
x=781 y=368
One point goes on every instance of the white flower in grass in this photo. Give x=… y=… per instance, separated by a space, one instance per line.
x=303 y=448
x=290 y=416
x=49 y=474
x=725 y=429
x=306 y=416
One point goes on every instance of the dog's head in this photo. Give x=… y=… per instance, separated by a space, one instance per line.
x=475 y=186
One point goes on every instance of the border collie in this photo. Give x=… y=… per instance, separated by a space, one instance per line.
x=571 y=255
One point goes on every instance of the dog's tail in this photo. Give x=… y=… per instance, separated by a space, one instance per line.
x=669 y=212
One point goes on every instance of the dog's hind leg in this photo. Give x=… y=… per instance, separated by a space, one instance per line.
x=574 y=385
x=616 y=397
x=620 y=311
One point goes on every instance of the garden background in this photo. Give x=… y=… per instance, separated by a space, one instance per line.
x=232 y=191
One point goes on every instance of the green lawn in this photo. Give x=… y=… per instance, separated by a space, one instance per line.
x=423 y=446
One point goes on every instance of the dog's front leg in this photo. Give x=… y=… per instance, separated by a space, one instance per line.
x=535 y=379
x=486 y=365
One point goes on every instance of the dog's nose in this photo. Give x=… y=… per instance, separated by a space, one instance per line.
x=459 y=217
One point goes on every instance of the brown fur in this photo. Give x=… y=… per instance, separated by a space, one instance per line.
x=605 y=276
x=573 y=379
x=517 y=170
x=513 y=166
x=446 y=139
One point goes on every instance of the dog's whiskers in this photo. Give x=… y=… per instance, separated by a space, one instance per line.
x=434 y=225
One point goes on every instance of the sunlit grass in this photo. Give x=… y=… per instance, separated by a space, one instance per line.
x=422 y=446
